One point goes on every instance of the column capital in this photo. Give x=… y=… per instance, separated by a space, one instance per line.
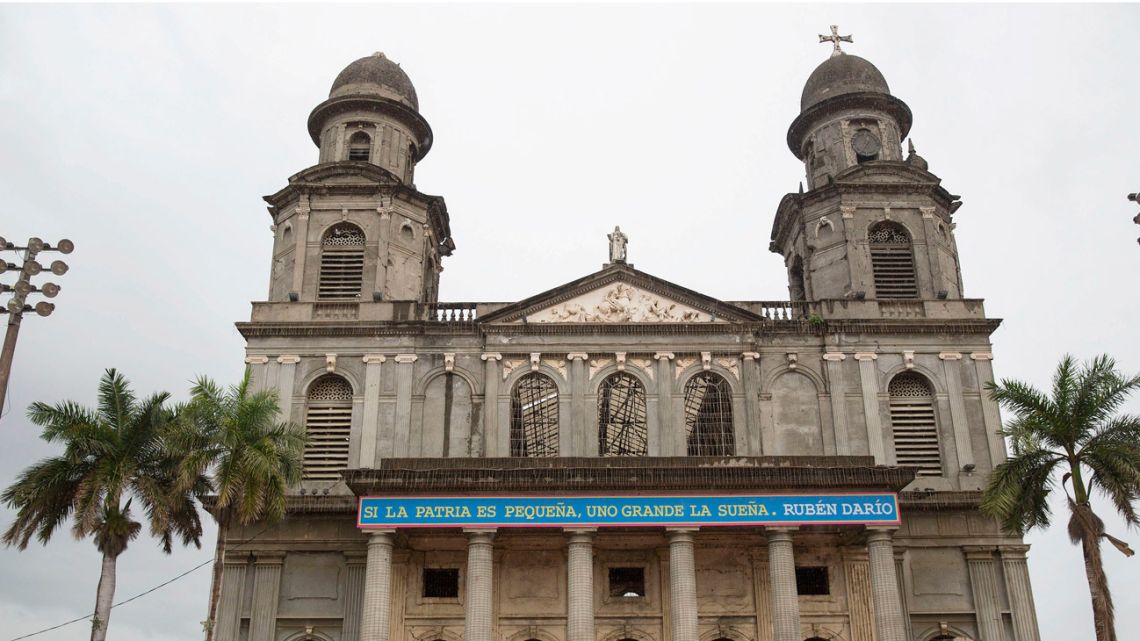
x=680 y=533
x=491 y=356
x=750 y=356
x=373 y=358
x=866 y=356
x=950 y=356
x=268 y=557
x=355 y=557
x=1013 y=552
x=834 y=356
x=777 y=534
x=982 y=356
x=256 y=360
x=876 y=534
x=979 y=552
x=288 y=359
x=236 y=558
x=580 y=534
x=668 y=356
x=381 y=537
x=577 y=356
x=847 y=211
x=480 y=534
x=927 y=212
x=405 y=359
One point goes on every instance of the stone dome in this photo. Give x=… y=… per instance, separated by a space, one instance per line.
x=375 y=75
x=839 y=75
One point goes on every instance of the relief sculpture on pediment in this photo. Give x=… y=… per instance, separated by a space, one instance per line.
x=621 y=303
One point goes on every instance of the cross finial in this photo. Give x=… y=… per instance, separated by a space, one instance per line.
x=835 y=39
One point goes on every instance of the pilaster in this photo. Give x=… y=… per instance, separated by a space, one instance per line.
x=582 y=442
x=402 y=425
x=983 y=364
x=869 y=382
x=266 y=594
x=301 y=248
x=258 y=372
x=1020 y=592
x=762 y=595
x=227 y=626
x=833 y=361
x=952 y=365
x=491 y=443
x=355 y=564
x=750 y=382
x=286 y=378
x=370 y=423
x=904 y=602
x=664 y=440
x=983 y=585
x=858 y=572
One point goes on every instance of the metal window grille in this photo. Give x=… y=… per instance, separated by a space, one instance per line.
x=534 y=417
x=441 y=583
x=328 y=422
x=812 y=581
x=627 y=582
x=708 y=416
x=892 y=262
x=342 y=263
x=913 y=424
x=622 y=428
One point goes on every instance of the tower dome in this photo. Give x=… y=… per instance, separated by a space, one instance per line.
x=375 y=75
x=839 y=75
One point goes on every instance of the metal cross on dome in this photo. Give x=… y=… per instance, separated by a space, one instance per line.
x=835 y=39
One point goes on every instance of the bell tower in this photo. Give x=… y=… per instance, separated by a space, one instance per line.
x=353 y=228
x=872 y=224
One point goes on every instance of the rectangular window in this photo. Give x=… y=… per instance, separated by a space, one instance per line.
x=441 y=583
x=812 y=581
x=627 y=582
x=356 y=153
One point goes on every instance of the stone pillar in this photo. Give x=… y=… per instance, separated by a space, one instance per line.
x=301 y=247
x=762 y=597
x=286 y=375
x=354 y=564
x=682 y=584
x=983 y=365
x=227 y=625
x=402 y=425
x=581 y=442
x=1020 y=592
x=900 y=577
x=930 y=227
x=782 y=579
x=859 y=596
x=750 y=383
x=258 y=374
x=266 y=593
x=869 y=380
x=480 y=583
x=838 y=393
x=885 y=587
x=983 y=585
x=376 y=612
x=370 y=424
x=580 y=585
x=952 y=365
x=382 y=243
x=489 y=441
x=662 y=442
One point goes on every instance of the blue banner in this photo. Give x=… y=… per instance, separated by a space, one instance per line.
x=625 y=511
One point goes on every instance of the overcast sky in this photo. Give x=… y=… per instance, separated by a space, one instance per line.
x=148 y=134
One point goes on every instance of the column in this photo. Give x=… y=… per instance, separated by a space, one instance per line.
x=838 y=393
x=580 y=585
x=859 y=596
x=370 y=425
x=258 y=366
x=266 y=593
x=869 y=380
x=1020 y=592
x=581 y=441
x=490 y=441
x=301 y=248
x=402 y=425
x=227 y=622
x=477 y=614
x=286 y=373
x=376 y=612
x=354 y=564
x=782 y=578
x=750 y=382
x=953 y=369
x=983 y=585
x=983 y=364
x=682 y=584
x=663 y=440
x=885 y=587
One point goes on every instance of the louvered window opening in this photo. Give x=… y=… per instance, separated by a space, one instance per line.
x=622 y=427
x=328 y=422
x=708 y=416
x=342 y=263
x=534 y=417
x=892 y=262
x=913 y=425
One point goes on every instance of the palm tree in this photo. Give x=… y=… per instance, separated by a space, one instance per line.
x=1076 y=434
x=114 y=456
x=234 y=434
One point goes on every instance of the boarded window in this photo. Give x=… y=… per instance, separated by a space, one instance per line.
x=892 y=261
x=708 y=416
x=328 y=422
x=913 y=425
x=359 y=146
x=342 y=263
x=534 y=417
x=622 y=427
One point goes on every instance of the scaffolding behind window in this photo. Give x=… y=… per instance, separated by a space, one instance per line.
x=534 y=417
x=622 y=427
x=708 y=416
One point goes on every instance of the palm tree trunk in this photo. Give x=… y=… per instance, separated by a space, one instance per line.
x=1103 y=615
x=216 y=584
x=104 y=596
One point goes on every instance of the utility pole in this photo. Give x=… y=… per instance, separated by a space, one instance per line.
x=16 y=307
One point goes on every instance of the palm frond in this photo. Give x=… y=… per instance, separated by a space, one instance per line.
x=1018 y=491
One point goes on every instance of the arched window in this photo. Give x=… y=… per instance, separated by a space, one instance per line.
x=342 y=263
x=328 y=422
x=359 y=146
x=708 y=416
x=892 y=261
x=534 y=417
x=913 y=424
x=622 y=427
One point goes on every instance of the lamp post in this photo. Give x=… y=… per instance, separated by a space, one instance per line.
x=1136 y=219
x=23 y=287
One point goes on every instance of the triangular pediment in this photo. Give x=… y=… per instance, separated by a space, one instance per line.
x=620 y=294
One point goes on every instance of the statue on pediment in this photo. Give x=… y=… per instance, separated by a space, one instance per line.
x=618 y=241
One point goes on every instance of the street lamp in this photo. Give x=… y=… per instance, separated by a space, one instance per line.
x=17 y=305
x=1136 y=219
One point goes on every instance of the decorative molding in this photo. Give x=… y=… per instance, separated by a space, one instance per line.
x=256 y=360
x=597 y=365
x=908 y=358
x=644 y=364
x=793 y=359
x=449 y=361
x=683 y=364
x=406 y=358
x=866 y=356
x=511 y=365
x=730 y=364
x=950 y=356
x=535 y=359
x=619 y=357
x=368 y=359
x=663 y=355
x=620 y=303
x=288 y=359
x=982 y=356
x=330 y=363
x=577 y=356
x=847 y=211
x=834 y=356
x=927 y=212
x=557 y=364
x=750 y=356
x=491 y=356
x=706 y=361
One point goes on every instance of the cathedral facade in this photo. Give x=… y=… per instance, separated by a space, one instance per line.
x=620 y=458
